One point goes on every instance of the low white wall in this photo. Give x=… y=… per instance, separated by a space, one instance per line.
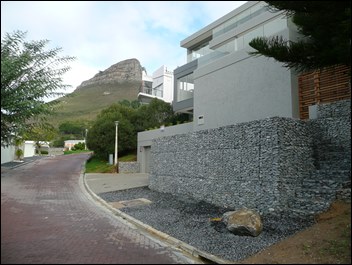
x=29 y=149
x=7 y=154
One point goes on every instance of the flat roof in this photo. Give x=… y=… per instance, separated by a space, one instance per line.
x=206 y=32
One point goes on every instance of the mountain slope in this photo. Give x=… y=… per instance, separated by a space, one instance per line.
x=120 y=81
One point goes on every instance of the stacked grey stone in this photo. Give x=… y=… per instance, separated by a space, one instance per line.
x=243 y=165
x=269 y=165
x=337 y=109
x=296 y=162
x=331 y=133
x=129 y=167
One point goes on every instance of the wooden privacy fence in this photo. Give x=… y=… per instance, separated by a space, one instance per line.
x=323 y=86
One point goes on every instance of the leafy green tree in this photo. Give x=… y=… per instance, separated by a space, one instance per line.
x=29 y=75
x=326 y=30
x=155 y=114
x=43 y=132
x=60 y=141
x=101 y=136
x=134 y=104
x=132 y=119
x=76 y=128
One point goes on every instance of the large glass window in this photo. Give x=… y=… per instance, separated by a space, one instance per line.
x=241 y=41
x=185 y=87
x=272 y=27
x=158 y=91
x=199 y=51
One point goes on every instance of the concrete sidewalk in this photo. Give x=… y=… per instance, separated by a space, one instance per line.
x=105 y=182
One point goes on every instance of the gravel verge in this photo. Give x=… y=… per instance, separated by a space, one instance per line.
x=189 y=221
x=24 y=161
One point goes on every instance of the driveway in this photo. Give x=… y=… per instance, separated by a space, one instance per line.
x=48 y=217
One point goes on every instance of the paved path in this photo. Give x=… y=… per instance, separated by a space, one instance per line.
x=48 y=217
x=106 y=182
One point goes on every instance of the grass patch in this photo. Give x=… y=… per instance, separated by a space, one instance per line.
x=75 y=152
x=339 y=248
x=128 y=158
x=306 y=248
x=98 y=165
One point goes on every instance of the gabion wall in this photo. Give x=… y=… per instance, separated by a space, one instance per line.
x=270 y=165
x=129 y=167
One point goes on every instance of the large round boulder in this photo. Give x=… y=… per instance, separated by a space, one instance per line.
x=244 y=222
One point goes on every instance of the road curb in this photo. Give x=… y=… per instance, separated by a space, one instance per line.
x=161 y=235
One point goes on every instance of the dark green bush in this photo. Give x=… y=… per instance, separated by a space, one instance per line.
x=79 y=146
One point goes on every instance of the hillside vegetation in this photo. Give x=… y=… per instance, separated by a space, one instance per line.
x=87 y=102
x=120 y=81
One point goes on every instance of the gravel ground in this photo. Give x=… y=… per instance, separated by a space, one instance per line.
x=189 y=221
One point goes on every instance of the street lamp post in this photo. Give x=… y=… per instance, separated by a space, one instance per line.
x=116 y=139
x=85 y=140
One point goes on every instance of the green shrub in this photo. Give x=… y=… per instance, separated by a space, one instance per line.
x=79 y=146
x=19 y=153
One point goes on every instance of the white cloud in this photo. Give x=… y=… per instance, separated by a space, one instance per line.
x=103 y=33
x=77 y=72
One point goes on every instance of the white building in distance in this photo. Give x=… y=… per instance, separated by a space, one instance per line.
x=161 y=88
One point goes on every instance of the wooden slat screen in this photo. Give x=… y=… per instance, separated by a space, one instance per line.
x=323 y=86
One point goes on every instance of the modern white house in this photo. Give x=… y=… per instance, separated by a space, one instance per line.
x=221 y=84
x=71 y=143
x=247 y=146
x=147 y=82
x=160 y=86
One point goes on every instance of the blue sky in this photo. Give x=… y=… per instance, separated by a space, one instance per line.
x=103 y=33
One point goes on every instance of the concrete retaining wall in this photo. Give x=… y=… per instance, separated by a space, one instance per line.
x=56 y=151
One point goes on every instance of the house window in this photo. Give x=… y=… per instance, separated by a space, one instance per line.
x=199 y=51
x=185 y=87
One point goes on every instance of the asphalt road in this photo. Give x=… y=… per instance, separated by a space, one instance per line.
x=48 y=217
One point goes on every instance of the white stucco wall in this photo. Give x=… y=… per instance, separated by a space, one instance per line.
x=166 y=78
x=240 y=88
x=7 y=154
x=29 y=149
x=71 y=143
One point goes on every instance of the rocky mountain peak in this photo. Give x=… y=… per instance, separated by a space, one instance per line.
x=125 y=71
